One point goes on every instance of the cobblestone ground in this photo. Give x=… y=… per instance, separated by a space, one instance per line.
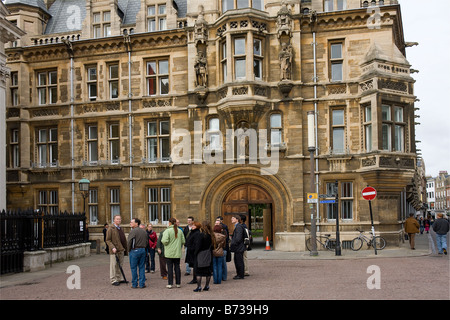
x=411 y=278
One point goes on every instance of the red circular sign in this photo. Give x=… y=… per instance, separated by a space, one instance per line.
x=369 y=193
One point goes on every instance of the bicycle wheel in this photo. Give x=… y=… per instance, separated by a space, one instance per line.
x=330 y=244
x=379 y=242
x=356 y=244
x=308 y=244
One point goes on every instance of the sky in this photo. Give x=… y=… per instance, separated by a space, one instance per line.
x=427 y=22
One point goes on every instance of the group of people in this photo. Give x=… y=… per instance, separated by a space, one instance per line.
x=207 y=251
x=441 y=227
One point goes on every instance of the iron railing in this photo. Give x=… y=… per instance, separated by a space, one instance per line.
x=31 y=230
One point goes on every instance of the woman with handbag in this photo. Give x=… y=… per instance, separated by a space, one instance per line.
x=203 y=265
x=218 y=254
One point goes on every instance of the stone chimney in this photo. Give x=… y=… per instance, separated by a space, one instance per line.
x=49 y=3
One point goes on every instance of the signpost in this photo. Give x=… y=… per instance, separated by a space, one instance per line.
x=369 y=194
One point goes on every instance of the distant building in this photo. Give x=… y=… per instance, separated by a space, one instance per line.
x=140 y=97
x=442 y=186
x=431 y=193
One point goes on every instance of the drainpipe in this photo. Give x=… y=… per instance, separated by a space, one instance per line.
x=130 y=137
x=72 y=153
x=313 y=20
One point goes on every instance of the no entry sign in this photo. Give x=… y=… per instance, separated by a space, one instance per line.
x=369 y=193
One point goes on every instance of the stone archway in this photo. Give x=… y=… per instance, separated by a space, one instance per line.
x=218 y=188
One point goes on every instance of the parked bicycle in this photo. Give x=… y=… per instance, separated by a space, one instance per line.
x=323 y=240
x=379 y=242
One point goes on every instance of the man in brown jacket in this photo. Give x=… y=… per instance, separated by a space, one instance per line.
x=411 y=228
x=117 y=243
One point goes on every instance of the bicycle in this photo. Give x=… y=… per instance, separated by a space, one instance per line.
x=328 y=244
x=356 y=244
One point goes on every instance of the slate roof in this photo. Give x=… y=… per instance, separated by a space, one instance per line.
x=33 y=3
x=63 y=16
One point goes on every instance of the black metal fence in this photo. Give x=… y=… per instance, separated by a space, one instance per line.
x=31 y=230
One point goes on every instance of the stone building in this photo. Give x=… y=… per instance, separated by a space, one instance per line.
x=8 y=33
x=199 y=108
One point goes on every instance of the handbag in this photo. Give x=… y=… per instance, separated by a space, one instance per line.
x=247 y=238
x=204 y=258
x=218 y=252
x=228 y=258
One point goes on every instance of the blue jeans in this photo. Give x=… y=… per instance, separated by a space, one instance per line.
x=441 y=240
x=137 y=261
x=224 y=266
x=218 y=269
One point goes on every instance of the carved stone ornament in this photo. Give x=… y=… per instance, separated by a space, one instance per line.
x=284 y=21
x=200 y=28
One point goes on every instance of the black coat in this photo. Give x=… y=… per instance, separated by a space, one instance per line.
x=190 y=247
x=203 y=242
x=237 y=241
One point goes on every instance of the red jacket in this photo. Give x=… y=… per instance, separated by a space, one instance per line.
x=152 y=239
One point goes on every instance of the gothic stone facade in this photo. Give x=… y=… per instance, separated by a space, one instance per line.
x=99 y=90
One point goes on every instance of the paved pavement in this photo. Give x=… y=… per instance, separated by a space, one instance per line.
x=274 y=275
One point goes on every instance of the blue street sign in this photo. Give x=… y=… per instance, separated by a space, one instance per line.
x=327 y=201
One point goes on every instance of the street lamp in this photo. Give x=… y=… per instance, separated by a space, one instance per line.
x=311 y=149
x=84 y=189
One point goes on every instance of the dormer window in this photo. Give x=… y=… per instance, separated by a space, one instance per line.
x=242 y=4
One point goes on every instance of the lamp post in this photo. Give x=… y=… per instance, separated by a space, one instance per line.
x=84 y=189
x=311 y=149
x=338 y=237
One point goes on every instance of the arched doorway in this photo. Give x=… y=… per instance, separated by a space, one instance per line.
x=221 y=187
x=255 y=204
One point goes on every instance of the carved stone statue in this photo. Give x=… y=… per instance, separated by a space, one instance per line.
x=201 y=76
x=285 y=57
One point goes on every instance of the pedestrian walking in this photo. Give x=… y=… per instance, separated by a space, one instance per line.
x=117 y=243
x=203 y=266
x=173 y=240
x=441 y=227
x=136 y=245
x=219 y=254
x=162 y=258
x=186 y=232
x=411 y=228
x=237 y=246
x=422 y=225
x=105 y=228
x=151 y=249
x=427 y=224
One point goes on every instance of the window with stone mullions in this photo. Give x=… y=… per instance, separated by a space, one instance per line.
x=159 y=205
x=257 y=59
x=101 y=26
x=338 y=131
x=239 y=59
x=47 y=87
x=336 y=61
x=158 y=141
x=241 y=4
x=157 y=77
x=392 y=120
x=14 y=88
x=47 y=147
x=156 y=17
